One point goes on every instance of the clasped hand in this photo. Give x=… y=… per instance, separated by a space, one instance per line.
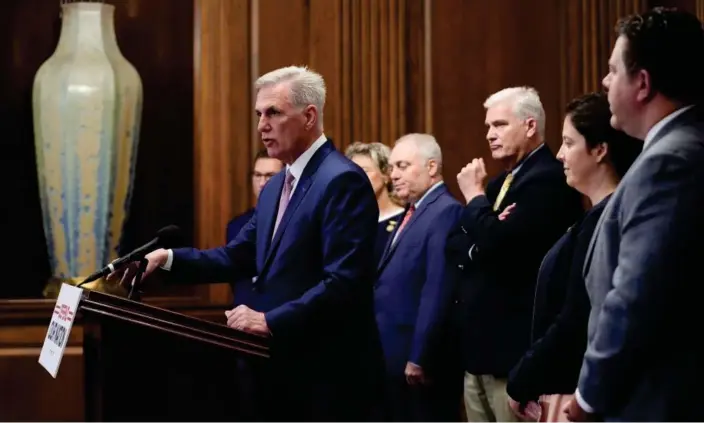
x=247 y=320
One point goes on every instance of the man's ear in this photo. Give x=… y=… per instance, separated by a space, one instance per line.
x=311 y=115
x=532 y=125
x=433 y=168
x=645 y=88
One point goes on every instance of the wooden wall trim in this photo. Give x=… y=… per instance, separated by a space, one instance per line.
x=587 y=37
x=223 y=122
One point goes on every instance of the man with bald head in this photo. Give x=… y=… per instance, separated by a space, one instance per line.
x=412 y=292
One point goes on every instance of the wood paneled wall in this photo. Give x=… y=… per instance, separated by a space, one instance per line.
x=587 y=34
x=561 y=48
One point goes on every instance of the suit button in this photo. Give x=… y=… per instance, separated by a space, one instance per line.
x=460 y=266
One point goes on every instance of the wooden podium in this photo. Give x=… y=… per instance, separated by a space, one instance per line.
x=149 y=364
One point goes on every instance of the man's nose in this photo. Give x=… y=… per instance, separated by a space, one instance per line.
x=262 y=125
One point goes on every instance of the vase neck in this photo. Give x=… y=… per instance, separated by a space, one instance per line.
x=87 y=25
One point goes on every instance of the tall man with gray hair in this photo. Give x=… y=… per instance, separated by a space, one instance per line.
x=498 y=260
x=311 y=244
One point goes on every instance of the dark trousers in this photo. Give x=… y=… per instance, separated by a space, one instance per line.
x=267 y=392
x=439 y=400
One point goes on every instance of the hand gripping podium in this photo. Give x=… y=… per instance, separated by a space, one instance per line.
x=149 y=364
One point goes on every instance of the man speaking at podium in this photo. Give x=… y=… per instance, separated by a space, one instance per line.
x=311 y=244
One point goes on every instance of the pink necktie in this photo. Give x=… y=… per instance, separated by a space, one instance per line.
x=285 y=197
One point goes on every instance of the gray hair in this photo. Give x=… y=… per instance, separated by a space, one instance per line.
x=307 y=87
x=427 y=145
x=379 y=153
x=525 y=103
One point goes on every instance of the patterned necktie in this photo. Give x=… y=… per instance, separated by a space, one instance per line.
x=285 y=197
x=406 y=218
x=504 y=189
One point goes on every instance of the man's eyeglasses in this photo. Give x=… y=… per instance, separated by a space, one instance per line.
x=257 y=175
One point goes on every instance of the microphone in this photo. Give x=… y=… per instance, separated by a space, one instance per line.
x=165 y=237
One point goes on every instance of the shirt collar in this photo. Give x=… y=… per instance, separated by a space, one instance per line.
x=650 y=136
x=431 y=189
x=520 y=165
x=297 y=167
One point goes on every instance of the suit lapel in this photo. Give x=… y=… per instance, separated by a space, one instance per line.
x=391 y=245
x=686 y=116
x=592 y=242
x=299 y=194
x=269 y=201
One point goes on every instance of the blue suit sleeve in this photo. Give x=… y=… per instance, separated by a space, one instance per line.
x=230 y=263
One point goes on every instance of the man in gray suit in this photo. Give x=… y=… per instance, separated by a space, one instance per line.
x=644 y=360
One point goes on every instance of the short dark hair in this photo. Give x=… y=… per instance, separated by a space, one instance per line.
x=261 y=154
x=590 y=116
x=669 y=45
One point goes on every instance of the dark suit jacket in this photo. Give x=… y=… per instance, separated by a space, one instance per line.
x=644 y=359
x=412 y=294
x=236 y=224
x=560 y=314
x=494 y=301
x=315 y=286
x=241 y=289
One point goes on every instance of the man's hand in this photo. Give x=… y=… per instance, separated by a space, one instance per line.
x=504 y=214
x=575 y=413
x=530 y=411
x=471 y=179
x=156 y=258
x=247 y=320
x=414 y=374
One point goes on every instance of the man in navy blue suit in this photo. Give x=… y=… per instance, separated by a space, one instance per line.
x=264 y=168
x=412 y=293
x=311 y=244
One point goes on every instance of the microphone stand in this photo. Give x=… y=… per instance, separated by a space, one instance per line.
x=138 y=280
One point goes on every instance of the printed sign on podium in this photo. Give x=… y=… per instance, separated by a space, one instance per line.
x=60 y=328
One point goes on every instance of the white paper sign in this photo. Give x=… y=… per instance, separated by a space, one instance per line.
x=60 y=328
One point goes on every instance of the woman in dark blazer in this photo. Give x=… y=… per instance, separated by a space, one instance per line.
x=595 y=157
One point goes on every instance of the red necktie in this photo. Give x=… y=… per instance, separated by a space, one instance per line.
x=406 y=218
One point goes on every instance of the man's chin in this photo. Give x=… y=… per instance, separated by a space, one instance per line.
x=498 y=155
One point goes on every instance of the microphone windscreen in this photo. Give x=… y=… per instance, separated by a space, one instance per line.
x=169 y=236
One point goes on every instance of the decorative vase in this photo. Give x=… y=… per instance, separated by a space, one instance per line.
x=87 y=104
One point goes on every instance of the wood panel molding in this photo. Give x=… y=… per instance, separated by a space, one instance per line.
x=587 y=37
x=223 y=124
x=373 y=55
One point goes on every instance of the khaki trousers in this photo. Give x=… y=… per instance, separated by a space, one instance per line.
x=486 y=400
